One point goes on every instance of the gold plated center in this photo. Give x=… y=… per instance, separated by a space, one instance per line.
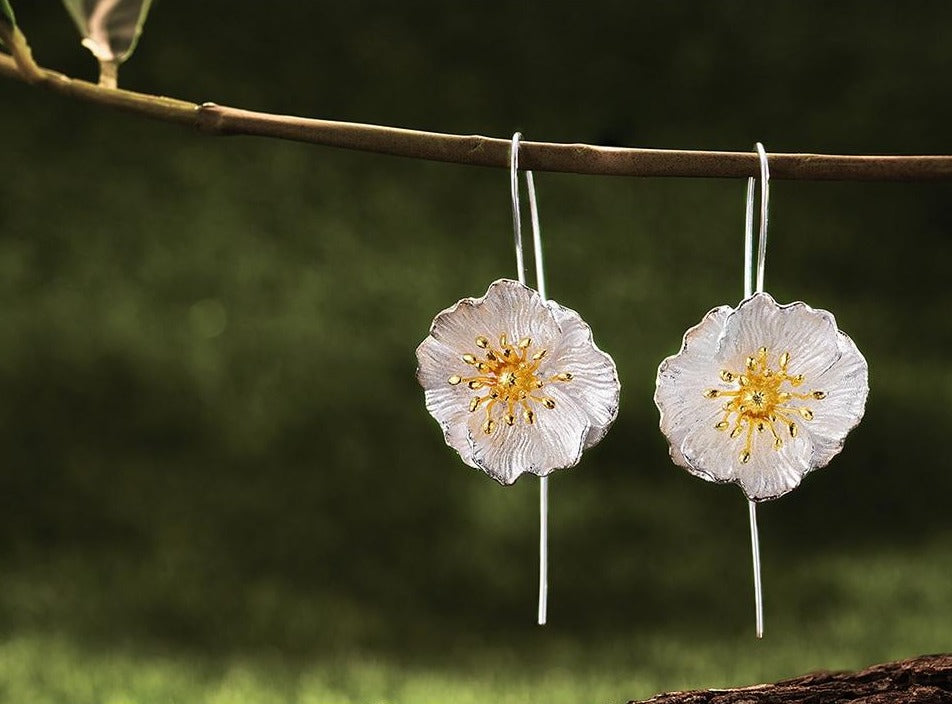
x=761 y=402
x=510 y=375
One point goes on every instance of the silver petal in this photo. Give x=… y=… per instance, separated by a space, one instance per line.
x=594 y=386
x=682 y=380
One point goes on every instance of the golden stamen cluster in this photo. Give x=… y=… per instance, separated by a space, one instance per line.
x=760 y=403
x=510 y=375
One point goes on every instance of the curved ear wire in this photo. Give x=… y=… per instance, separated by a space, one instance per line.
x=748 y=292
x=516 y=211
x=749 y=226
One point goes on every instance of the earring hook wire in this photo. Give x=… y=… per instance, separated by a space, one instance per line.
x=540 y=286
x=748 y=292
x=749 y=226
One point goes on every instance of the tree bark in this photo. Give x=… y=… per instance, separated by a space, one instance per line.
x=922 y=680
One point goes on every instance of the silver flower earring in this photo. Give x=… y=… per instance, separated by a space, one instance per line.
x=515 y=380
x=761 y=394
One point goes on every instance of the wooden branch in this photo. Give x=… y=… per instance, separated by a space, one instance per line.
x=482 y=151
x=922 y=680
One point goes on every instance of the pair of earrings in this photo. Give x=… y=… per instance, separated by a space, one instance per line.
x=759 y=395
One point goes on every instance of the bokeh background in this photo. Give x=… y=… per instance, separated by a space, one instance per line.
x=219 y=482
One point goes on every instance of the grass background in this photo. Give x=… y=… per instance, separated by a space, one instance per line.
x=219 y=482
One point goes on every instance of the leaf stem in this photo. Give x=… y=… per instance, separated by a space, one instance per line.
x=108 y=73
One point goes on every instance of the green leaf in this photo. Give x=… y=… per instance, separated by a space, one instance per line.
x=110 y=28
x=6 y=16
x=7 y=12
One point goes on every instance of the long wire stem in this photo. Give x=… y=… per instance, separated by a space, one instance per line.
x=543 y=481
x=540 y=286
x=755 y=554
x=749 y=286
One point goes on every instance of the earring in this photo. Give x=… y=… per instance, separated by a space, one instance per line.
x=761 y=394
x=516 y=381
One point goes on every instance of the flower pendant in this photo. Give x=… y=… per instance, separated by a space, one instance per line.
x=761 y=395
x=516 y=382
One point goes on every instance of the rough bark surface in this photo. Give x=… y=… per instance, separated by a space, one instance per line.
x=922 y=680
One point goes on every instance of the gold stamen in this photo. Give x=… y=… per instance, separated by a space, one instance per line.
x=745 y=456
x=760 y=402
x=510 y=377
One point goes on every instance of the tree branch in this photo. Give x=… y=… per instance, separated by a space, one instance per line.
x=485 y=151
x=922 y=680
x=22 y=59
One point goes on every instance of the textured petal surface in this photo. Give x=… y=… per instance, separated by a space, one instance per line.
x=809 y=335
x=555 y=441
x=447 y=404
x=595 y=387
x=712 y=454
x=507 y=308
x=682 y=380
x=846 y=384
x=772 y=473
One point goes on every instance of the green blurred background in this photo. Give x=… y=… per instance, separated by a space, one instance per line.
x=219 y=481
